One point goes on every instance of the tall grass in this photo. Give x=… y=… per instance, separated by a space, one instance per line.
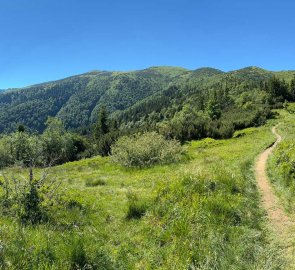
x=201 y=213
x=281 y=166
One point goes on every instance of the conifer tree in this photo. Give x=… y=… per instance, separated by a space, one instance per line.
x=292 y=89
x=102 y=126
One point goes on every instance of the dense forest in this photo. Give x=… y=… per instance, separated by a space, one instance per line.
x=136 y=98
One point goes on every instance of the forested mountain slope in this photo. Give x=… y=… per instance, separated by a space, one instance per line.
x=131 y=96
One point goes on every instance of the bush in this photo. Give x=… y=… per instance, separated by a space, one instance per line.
x=32 y=211
x=28 y=199
x=6 y=157
x=145 y=150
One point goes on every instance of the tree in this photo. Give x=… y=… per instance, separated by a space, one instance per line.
x=21 y=128
x=278 y=89
x=57 y=144
x=292 y=89
x=24 y=147
x=24 y=196
x=213 y=107
x=102 y=125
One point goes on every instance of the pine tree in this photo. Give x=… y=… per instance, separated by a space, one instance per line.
x=213 y=107
x=278 y=89
x=102 y=126
x=292 y=89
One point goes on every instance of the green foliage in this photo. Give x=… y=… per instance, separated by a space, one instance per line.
x=213 y=107
x=105 y=142
x=24 y=147
x=133 y=96
x=145 y=150
x=282 y=162
x=278 y=89
x=54 y=146
x=57 y=144
x=6 y=155
x=187 y=124
x=285 y=161
x=292 y=89
x=102 y=125
x=32 y=211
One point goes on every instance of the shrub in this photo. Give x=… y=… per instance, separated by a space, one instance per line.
x=28 y=199
x=144 y=150
x=32 y=211
x=6 y=157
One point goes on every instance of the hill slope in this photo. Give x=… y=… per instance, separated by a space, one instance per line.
x=201 y=213
x=76 y=100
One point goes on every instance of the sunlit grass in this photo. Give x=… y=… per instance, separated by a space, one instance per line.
x=202 y=213
x=286 y=129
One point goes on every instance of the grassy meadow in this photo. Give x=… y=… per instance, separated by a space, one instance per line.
x=281 y=163
x=202 y=213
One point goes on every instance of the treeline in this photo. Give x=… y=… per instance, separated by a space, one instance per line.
x=56 y=145
x=187 y=111
x=279 y=90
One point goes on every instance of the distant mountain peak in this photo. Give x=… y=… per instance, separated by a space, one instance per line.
x=207 y=71
x=253 y=68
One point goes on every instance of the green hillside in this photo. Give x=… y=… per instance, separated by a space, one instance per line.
x=76 y=100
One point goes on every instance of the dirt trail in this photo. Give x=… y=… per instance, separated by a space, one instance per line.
x=282 y=224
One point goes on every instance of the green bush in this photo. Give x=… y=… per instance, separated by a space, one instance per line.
x=145 y=150
x=32 y=210
x=6 y=157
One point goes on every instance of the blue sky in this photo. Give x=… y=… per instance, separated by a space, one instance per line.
x=42 y=40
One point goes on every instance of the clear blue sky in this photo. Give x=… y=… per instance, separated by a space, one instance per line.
x=44 y=40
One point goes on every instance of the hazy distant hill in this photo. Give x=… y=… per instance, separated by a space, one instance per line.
x=77 y=99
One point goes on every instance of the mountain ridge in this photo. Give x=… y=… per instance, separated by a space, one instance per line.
x=76 y=99
x=197 y=70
